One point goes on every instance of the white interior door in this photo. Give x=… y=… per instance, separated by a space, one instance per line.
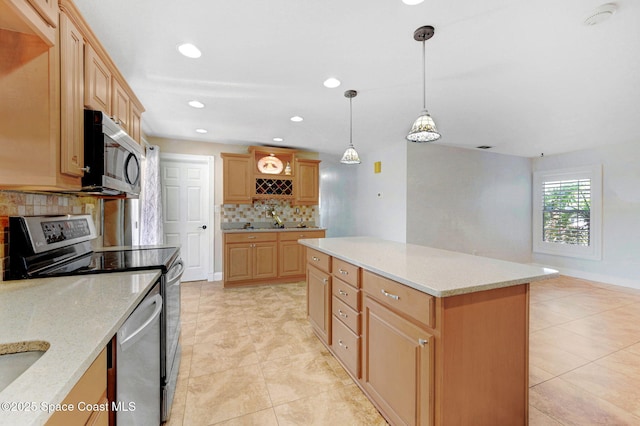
x=187 y=215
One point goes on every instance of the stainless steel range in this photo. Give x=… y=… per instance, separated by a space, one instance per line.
x=48 y=246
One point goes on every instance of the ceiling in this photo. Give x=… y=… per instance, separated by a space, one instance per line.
x=521 y=76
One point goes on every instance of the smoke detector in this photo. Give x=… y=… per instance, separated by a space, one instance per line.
x=601 y=14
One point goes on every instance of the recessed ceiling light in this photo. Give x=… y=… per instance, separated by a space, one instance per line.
x=196 y=104
x=189 y=50
x=331 y=83
x=412 y=2
x=203 y=131
x=297 y=118
x=278 y=139
x=601 y=14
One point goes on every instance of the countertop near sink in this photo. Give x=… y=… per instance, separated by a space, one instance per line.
x=235 y=231
x=77 y=316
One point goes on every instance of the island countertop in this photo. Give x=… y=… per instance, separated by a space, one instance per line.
x=440 y=273
x=76 y=316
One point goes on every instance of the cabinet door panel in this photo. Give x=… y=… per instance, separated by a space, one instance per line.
x=71 y=98
x=236 y=178
x=319 y=302
x=265 y=260
x=238 y=262
x=397 y=365
x=307 y=182
x=97 y=89
x=291 y=259
x=121 y=105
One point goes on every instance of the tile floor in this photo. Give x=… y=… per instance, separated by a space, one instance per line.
x=250 y=358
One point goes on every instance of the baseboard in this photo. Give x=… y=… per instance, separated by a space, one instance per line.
x=602 y=278
x=215 y=276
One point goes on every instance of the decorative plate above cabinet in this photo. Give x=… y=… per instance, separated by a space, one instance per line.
x=270 y=164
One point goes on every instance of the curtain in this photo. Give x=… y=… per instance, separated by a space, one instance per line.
x=151 y=232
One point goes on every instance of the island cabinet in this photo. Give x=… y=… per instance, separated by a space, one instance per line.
x=88 y=397
x=319 y=294
x=456 y=359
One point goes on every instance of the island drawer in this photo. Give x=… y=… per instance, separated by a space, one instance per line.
x=251 y=237
x=346 y=272
x=404 y=299
x=319 y=259
x=347 y=315
x=297 y=235
x=346 y=346
x=346 y=293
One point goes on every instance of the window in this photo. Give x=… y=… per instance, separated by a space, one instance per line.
x=567 y=212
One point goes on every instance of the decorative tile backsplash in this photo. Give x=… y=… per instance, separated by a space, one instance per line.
x=260 y=210
x=27 y=204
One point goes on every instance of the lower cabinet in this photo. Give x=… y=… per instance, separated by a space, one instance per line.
x=91 y=390
x=319 y=302
x=265 y=257
x=397 y=365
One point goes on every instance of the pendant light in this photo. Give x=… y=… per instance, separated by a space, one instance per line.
x=424 y=128
x=350 y=156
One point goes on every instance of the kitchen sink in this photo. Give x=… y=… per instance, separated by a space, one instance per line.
x=16 y=358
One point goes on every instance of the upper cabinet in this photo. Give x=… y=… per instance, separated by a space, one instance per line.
x=270 y=173
x=51 y=68
x=36 y=17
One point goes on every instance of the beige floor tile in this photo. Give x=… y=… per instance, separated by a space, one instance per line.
x=577 y=344
x=221 y=328
x=538 y=418
x=260 y=418
x=571 y=405
x=221 y=355
x=618 y=334
x=216 y=397
x=542 y=316
x=344 y=406
x=299 y=376
x=553 y=359
x=619 y=389
x=537 y=375
x=624 y=362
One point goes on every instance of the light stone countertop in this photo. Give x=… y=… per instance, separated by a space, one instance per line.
x=440 y=273
x=77 y=316
x=242 y=231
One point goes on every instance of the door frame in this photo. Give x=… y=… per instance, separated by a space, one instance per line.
x=209 y=160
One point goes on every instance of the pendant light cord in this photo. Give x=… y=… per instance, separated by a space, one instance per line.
x=350 y=123
x=424 y=77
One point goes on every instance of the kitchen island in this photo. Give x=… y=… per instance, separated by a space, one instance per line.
x=75 y=317
x=431 y=336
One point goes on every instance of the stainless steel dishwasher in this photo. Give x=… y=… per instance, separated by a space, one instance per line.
x=138 y=364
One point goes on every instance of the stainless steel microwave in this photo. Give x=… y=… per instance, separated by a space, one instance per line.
x=111 y=158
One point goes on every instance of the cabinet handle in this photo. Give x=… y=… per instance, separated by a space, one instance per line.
x=422 y=342
x=315 y=259
x=393 y=296
x=86 y=169
x=342 y=314
x=344 y=293
x=325 y=280
x=251 y=237
x=342 y=344
x=343 y=272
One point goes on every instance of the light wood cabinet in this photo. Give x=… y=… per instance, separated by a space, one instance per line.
x=135 y=123
x=37 y=17
x=236 y=178
x=397 y=364
x=307 y=181
x=319 y=302
x=120 y=105
x=89 y=390
x=291 y=255
x=250 y=256
x=71 y=98
x=97 y=79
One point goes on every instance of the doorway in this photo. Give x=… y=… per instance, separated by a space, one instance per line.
x=187 y=211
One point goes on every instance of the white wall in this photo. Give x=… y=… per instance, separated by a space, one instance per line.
x=469 y=201
x=382 y=197
x=620 y=262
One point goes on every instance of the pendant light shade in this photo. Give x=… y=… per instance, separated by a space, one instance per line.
x=424 y=128
x=350 y=156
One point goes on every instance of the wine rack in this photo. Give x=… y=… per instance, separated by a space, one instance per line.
x=279 y=187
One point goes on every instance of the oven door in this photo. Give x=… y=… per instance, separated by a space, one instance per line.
x=172 y=312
